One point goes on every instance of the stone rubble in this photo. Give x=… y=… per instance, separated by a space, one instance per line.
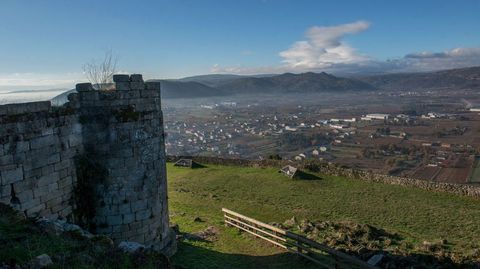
x=380 y=248
x=131 y=247
x=41 y=261
x=58 y=227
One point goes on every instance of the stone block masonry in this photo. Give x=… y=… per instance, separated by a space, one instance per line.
x=37 y=170
x=119 y=131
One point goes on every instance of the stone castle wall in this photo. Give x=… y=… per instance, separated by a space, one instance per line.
x=123 y=129
x=37 y=150
x=118 y=131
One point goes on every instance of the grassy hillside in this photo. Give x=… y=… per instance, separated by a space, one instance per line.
x=21 y=240
x=416 y=215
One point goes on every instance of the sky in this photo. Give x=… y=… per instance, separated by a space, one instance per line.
x=44 y=44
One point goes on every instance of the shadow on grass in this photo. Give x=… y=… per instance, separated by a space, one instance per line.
x=196 y=165
x=198 y=257
x=306 y=176
x=190 y=255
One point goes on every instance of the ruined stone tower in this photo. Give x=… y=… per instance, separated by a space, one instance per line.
x=123 y=132
x=121 y=188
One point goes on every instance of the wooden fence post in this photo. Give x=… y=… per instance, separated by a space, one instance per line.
x=295 y=243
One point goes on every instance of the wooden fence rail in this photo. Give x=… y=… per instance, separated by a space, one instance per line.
x=320 y=254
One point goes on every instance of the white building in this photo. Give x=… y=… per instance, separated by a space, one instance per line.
x=376 y=116
x=338 y=126
x=350 y=120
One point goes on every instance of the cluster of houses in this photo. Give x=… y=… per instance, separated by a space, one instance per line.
x=216 y=136
x=444 y=158
x=224 y=134
x=226 y=104
x=434 y=115
x=317 y=152
x=193 y=138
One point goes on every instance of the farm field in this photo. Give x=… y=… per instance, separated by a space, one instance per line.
x=475 y=176
x=196 y=197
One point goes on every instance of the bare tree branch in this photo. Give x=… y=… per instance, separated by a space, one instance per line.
x=100 y=74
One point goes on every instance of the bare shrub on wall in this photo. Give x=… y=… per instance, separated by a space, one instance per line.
x=100 y=73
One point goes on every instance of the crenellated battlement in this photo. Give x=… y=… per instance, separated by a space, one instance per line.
x=33 y=107
x=120 y=131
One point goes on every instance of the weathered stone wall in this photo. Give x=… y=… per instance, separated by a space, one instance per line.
x=123 y=129
x=335 y=170
x=37 y=149
x=118 y=132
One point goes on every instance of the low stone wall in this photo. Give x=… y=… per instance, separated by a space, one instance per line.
x=225 y=161
x=461 y=189
x=335 y=170
x=37 y=149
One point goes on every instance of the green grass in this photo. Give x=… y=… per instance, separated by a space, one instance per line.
x=262 y=193
x=21 y=241
x=475 y=175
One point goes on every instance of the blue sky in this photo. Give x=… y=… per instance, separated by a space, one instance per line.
x=45 y=43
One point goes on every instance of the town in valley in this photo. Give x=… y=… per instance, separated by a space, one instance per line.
x=431 y=135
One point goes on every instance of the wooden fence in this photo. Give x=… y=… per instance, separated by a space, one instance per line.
x=318 y=253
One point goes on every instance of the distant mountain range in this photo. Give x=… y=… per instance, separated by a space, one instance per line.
x=211 y=80
x=220 y=85
x=226 y=85
x=462 y=78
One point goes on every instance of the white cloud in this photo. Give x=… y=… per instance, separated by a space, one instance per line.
x=413 y=62
x=12 y=81
x=28 y=87
x=454 y=53
x=247 y=70
x=324 y=47
x=454 y=58
x=324 y=50
x=42 y=81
